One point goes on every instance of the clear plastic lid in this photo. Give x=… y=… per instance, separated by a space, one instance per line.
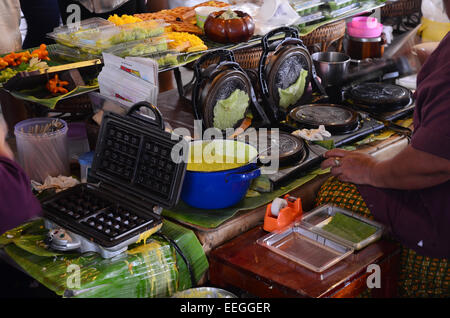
x=68 y=34
x=64 y=52
x=342 y=10
x=166 y=59
x=140 y=48
x=304 y=4
x=142 y=30
x=311 y=18
x=337 y=4
x=98 y=37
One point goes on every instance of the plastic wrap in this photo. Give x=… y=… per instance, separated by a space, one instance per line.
x=306 y=7
x=42 y=152
x=97 y=36
x=140 y=48
x=72 y=54
x=274 y=14
x=153 y=269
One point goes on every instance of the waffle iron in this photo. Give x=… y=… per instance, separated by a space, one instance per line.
x=219 y=81
x=132 y=178
x=279 y=67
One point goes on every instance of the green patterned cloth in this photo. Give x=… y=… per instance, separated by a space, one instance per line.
x=420 y=276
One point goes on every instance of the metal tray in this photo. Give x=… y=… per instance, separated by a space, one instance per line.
x=307 y=248
x=322 y=215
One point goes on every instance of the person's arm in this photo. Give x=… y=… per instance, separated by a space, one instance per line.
x=5 y=151
x=410 y=169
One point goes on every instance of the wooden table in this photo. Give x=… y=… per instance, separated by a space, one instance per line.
x=244 y=264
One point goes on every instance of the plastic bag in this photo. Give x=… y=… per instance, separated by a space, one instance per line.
x=434 y=10
x=274 y=14
x=435 y=22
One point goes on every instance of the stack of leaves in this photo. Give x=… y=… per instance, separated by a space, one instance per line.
x=151 y=269
x=349 y=228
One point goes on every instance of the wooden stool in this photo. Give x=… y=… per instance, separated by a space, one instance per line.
x=323 y=37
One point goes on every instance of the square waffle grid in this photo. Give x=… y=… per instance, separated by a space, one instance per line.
x=98 y=216
x=155 y=172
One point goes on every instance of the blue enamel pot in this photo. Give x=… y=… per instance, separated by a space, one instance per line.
x=218 y=189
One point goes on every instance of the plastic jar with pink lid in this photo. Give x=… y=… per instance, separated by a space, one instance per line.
x=364 y=27
x=365 y=39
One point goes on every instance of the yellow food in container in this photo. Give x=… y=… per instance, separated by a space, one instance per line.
x=219 y=155
x=124 y=19
x=185 y=42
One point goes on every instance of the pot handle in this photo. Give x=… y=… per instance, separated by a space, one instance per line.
x=243 y=176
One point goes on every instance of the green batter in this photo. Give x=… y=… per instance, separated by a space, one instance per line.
x=349 y=228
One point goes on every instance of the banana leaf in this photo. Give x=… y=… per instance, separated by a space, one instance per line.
x=153 y=269
x=31 y=95
x=213 y=218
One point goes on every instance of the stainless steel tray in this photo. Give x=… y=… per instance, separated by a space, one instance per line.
x=319 y=217
x=305 y=247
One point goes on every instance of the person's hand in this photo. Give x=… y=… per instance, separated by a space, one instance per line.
x=349 y=166
x=5 y=151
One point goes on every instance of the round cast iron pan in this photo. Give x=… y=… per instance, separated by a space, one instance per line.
x=337 y=119
x=378 y=97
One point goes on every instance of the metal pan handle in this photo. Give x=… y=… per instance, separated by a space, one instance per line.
x=224 y=55
x=158 y=116
x=290 y=33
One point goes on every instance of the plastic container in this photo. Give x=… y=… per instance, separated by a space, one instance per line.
x=77 y=140
x=305 y=8
x=338 y=4
x=312 y=18
x=141 y=30
x=364 y=27
x=69 y=34
x=166 y=59
x=341 y=11
x=95 y=38
x=42 y=154
x=140 y=48
x=85 y=161
x=74 y=54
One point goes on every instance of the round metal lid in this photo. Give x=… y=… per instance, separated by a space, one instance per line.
x=289 y=147
x=335 y=118
x=222 y=87
x=379 y=97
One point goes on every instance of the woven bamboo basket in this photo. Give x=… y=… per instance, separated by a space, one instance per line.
x=323 y=37
x=400 y=8
x=247 y=58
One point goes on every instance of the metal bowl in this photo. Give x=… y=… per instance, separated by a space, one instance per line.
x=204 y=292
x=330 y=66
